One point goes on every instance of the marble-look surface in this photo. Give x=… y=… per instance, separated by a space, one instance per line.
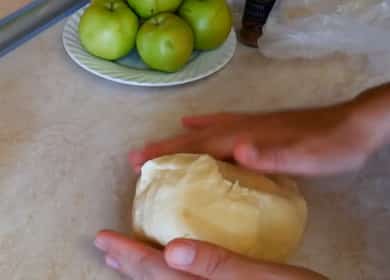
x=64 y=137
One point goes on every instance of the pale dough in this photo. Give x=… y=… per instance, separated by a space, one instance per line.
x=195 y=196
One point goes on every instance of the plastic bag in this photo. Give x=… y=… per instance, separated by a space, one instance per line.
x=317 y=28
x=314 y=28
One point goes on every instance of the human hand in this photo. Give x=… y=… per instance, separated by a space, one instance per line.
x=184 y=259
x=308 y=142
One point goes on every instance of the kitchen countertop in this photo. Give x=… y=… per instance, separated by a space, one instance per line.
x=64 y=137
x=8 y=7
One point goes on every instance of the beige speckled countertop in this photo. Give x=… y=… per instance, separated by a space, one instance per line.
x=8 y=7
x=64 y=136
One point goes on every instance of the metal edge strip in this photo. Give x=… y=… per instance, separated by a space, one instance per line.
x=28 y=36
x=21 y=11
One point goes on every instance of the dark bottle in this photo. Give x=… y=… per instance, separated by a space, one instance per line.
x=255 y=16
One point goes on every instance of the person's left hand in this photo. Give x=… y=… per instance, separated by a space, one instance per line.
x=184 y=259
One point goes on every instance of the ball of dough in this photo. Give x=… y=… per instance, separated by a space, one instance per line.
x=198 y=197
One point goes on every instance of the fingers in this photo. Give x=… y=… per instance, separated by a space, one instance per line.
x=179 y=144
x=199 y=122
x=218 y=146
x=135 y=259
x=136 y=160
x=201 y=142
x=214 y=263
x=297 y=159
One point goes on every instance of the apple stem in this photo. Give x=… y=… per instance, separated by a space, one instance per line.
x=110 y=5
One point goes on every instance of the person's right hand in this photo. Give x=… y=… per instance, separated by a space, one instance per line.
x=309 y=142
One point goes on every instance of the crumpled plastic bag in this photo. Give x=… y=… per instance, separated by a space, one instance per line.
x=317 y=28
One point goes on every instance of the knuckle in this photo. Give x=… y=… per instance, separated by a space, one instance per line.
x=276 y=158
x=360 y=161
x=216 y=262
x=228 y=117
x=142 y=269
x=145 y=260
x=223 y=114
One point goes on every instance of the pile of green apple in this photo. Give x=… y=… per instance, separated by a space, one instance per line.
x=165 y=32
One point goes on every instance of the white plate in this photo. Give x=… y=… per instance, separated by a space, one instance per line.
x=132 y=71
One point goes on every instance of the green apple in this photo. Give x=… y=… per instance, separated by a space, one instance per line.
x=211 y=21
x=108 y=29
x=165 y=42
x=148 y=8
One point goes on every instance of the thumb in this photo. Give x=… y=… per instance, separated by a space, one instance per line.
x=273 y=159
x=205 y=260
x=214 y=263
x=285 y=159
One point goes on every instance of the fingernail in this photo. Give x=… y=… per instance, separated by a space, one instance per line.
x=112 y=262
x=137 y=169
x=100 y=244
x=181 y=254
